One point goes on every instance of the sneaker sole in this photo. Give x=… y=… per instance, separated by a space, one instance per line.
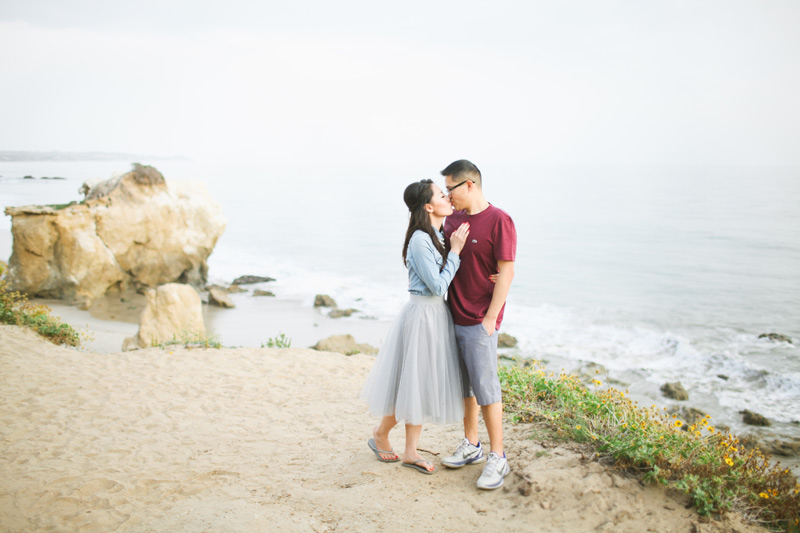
x=493 y=487
x=481 y=459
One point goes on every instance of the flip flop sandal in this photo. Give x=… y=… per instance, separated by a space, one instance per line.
x=417 y=466
x=377 y=452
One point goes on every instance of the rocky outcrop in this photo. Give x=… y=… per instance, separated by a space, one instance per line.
x=173 y=312
x=345 y=344
x=220 y=298
x=339 y=313
x=675 y=391
x=754 y=419
x=788 y=448
x=247 y=280
x=132 y=231
x=504 y=340
x=323 y=300
x=777 y=337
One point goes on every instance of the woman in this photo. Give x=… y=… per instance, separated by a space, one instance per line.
x=416 y=376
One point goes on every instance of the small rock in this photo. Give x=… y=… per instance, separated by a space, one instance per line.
x=220 y=298
x=338 y=313
x=247 y=280
x=259 y=292
x=690 y=415
x=235 y=288
x=129 y=344
x=754 y=419
x=675 y=391
x=28 y=178
x=323 y=300
x=504 y=340
x=777 y=337
x=723 y=376
x=345 y=344
x=591 y=370
x=545 y=505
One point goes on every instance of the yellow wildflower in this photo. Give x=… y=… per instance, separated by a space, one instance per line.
x=729 y=460
x=764 y=495
x=577 y=427
x=678 y=423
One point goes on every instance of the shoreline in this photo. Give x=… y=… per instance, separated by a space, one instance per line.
x=252 y=439
x=253 y=321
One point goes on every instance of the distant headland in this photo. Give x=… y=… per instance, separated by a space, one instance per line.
x=17 y=155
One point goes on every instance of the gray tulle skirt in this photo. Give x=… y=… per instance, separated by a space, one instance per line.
x=416 y=375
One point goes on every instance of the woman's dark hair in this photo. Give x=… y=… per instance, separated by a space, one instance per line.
x=416 y=196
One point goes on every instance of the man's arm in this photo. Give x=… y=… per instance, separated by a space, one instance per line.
x=502 y=285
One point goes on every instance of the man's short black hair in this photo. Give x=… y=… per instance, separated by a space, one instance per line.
x=461 y=170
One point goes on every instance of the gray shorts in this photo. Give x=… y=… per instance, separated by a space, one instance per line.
x=477 y=353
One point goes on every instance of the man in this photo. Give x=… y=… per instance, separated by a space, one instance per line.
x=477 y=305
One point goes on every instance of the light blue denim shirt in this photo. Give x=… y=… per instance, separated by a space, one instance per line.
x=423 y=261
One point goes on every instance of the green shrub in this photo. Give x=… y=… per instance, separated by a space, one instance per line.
x=16 y=310
x=281 y=341
x=712 y=467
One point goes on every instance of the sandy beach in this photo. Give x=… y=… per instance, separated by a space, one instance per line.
x=252 y=439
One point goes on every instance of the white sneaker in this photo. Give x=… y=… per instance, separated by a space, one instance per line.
x=493 y=473
x=465 y=454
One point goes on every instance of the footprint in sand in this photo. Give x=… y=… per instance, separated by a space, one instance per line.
x=90 y=488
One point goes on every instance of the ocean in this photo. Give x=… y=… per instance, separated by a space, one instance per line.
x=658 y=274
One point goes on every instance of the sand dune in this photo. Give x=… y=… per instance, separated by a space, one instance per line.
x=254 y=439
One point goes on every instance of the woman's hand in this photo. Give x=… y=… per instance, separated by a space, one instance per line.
x=458 y=238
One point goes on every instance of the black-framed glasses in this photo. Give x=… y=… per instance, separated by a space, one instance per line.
x=454 y=187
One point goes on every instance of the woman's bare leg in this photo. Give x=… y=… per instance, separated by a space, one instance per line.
x=411 y=455
x=381 y=435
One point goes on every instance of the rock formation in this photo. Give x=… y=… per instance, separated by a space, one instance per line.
x=133 y=231
x=173 y=312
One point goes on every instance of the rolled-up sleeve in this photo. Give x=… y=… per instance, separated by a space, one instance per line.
x=423 y=259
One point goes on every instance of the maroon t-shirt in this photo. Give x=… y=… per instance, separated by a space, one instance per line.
x=492 y=238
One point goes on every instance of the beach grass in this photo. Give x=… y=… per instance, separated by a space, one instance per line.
x=712 y=467
x=190 y=339
x=281 y=341
x=17 y=310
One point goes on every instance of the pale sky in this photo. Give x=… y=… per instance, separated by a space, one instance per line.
x=558 y=82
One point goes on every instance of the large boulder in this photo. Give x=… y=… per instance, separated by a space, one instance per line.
x=132 y=231
x=173 y=312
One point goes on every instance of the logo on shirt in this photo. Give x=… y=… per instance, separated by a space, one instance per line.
x=474 y=241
